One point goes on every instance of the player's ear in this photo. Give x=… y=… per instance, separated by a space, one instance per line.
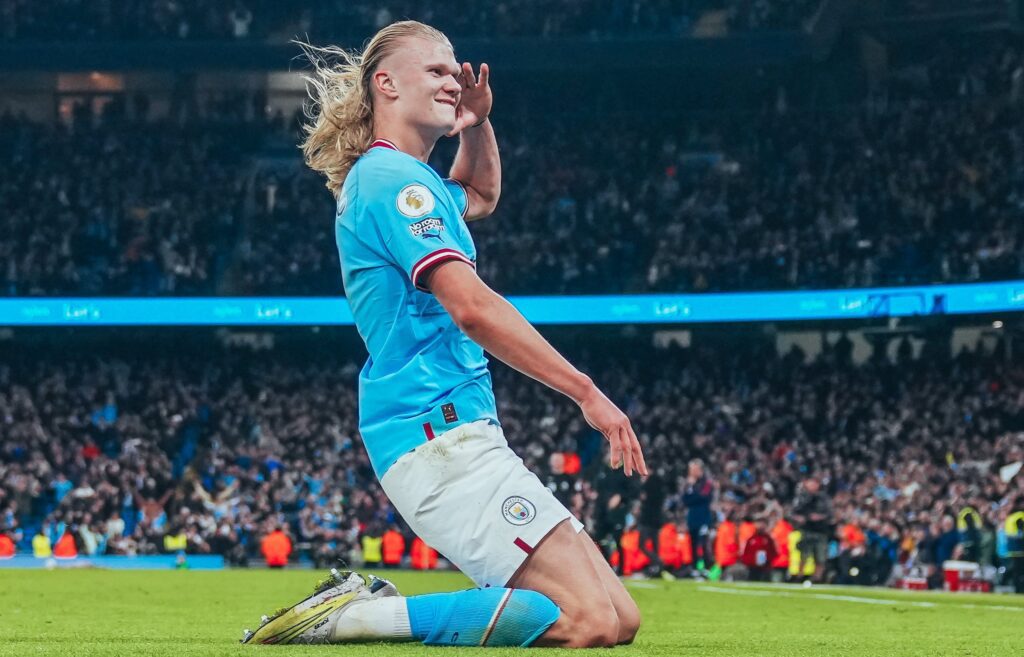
x=384 y=83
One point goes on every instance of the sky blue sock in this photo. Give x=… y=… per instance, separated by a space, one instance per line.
x=481 y=617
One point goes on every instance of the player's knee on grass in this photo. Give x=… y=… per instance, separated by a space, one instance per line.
x=593 y=626
x=629 y=622
x=482 y=617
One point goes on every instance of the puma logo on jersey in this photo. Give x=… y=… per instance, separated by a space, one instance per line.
x=429 y=228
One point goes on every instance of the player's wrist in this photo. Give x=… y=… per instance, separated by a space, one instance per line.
x=584 y=389
x=480 y=122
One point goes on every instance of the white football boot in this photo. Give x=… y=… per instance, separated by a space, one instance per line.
x=313 y=619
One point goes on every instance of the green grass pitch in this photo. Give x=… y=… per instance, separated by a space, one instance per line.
x=86 y=613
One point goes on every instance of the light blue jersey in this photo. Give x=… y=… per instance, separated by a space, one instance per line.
x=397 y=219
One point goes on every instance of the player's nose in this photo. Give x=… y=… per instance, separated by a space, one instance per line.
x=452 y=87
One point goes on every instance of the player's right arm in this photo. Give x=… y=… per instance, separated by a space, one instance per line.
x=493 y=323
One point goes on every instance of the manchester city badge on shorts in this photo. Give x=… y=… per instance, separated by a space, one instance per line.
x=518 y=510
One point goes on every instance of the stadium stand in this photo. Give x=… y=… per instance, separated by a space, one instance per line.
x=916 y=183
x=33 y=20
x=125 y=449
x=137 y=208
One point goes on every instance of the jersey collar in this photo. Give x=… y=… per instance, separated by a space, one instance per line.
x=383 y=143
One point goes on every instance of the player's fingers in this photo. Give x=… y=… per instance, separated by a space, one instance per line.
x=627 y=453
x=467 y=70
x=614 y=450
x=459 y=126
x=638 y=451
x=485 y=75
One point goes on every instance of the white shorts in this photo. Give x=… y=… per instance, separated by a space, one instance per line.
x=470 y=497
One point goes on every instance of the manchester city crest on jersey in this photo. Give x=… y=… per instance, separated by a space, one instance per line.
x=415 y=200
x=429 y=228
x=518 y=510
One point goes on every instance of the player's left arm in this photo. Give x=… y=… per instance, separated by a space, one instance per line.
x=477 y=166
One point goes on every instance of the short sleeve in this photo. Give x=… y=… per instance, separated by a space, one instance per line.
x=418 y=225
x=458 y=192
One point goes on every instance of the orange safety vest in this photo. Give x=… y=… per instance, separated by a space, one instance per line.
x=276 y=547
x=780 y=534
x=635 y=559
x=727 y=547
x=630 y=543
x=685 y=548
x=394 y=547
x=853 y=536
x=6 y=547
x=668 y=546
x=424 y=557
x=747 y=529
x=65 y=547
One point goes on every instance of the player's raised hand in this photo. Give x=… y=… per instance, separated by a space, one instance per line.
x=476 y=100
x=604 y=416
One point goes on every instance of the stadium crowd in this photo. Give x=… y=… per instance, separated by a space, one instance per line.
x=124 y=206
x=139 y=454
x=920 y=182
x=133 y=20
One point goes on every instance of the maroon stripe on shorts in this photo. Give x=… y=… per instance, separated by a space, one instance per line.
x=427 y=429
x=523 y=545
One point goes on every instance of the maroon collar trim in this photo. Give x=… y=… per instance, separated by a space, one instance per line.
x=383 y=143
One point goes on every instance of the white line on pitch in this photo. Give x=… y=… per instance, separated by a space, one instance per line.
x=853 y=598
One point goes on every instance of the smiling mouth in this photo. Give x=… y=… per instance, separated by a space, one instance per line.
x=447 y=102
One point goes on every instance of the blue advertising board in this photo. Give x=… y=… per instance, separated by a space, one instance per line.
x=854 y=303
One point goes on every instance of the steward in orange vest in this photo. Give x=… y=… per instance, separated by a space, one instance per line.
x=685 y=549
x=394 y=548
x=727 y=547
x=65 y=547
x=424 y=557
x=635 y=559
x=780 y=534
x=852 y=537
x=276 y=547
x=668 y=546
x=6 y=547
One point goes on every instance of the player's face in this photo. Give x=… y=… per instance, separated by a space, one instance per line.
x=427 y=79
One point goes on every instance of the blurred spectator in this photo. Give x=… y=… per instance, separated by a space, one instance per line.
x=65 y=547
x=947 y=541
x=41 y=546
x=392 y=547
x=650 y=518
x=812 y=513
x=423 y=556
x=1015 y=548
x=697 y=498
x=759 y=553
x=276 y=548
x=373 y=547
x=6 y=546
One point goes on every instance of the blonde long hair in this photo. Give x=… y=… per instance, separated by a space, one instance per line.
x=341 y=108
